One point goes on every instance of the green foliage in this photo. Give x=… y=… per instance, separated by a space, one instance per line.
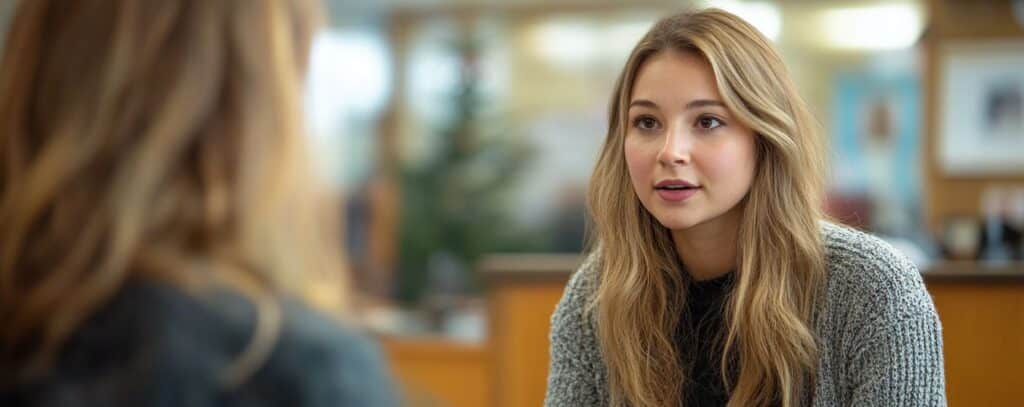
x=457 y=201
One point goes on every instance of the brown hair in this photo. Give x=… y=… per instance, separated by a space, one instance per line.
x=158 y=140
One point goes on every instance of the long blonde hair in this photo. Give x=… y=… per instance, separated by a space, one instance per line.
x=768 y=341
x=159 y=140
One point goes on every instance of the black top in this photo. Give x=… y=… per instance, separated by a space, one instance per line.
x=700 y=341
x=154 y=345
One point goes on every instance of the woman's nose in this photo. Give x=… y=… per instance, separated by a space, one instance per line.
x=677 y=146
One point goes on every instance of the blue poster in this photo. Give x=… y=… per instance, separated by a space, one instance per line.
x=876 y=147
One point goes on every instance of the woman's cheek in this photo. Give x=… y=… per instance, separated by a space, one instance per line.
x=637 y=162
x=731 y=164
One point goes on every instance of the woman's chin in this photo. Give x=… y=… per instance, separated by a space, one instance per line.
x=678 y=223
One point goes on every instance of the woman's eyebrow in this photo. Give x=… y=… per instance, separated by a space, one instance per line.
x=643 y=103
x=692 y=105
x=704 y=103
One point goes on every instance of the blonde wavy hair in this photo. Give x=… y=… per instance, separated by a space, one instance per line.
x=157 y=140
x=768 y=341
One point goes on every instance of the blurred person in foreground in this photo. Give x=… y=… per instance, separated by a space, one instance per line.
x=162 y=241
x=716 y=279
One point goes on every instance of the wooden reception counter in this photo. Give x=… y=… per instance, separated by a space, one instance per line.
x=981 y=308
x=982 y=311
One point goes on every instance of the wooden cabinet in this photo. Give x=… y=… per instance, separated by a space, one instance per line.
x=437 y=372
x=523 y=293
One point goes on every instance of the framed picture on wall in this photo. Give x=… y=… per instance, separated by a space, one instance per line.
x=981 y=108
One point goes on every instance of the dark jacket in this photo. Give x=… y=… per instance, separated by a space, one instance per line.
x=154 y=345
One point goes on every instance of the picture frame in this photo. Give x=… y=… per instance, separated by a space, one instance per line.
x=981 y=108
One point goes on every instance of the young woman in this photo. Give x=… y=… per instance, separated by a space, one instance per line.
x=161 y=243
x=715 y=279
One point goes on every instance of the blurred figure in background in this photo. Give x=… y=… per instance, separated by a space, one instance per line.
x=162 y=241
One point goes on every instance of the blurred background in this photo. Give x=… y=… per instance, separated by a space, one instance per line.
x=462 y=134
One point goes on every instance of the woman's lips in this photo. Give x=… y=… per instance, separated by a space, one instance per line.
x=676 y=194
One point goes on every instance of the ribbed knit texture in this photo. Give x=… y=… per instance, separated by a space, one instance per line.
x=879 y=338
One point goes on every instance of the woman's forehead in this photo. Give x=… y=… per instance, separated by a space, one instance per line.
x=675 y=78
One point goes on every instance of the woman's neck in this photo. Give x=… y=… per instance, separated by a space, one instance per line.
x=708 y=250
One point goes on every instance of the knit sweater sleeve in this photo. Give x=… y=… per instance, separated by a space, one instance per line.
x=896 y=355
x=575 y=377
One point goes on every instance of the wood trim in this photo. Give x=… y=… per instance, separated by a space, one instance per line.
x=435 y=371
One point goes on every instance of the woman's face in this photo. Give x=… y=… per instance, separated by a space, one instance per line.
x=690 y=161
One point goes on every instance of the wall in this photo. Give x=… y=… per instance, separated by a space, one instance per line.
x=957 y=21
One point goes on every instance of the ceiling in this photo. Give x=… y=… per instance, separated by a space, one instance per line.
x=428 y=5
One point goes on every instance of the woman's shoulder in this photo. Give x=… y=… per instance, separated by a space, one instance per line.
x=874 y=258
x=582 y=285
x=315 y=359
x=866 y=271
x=155 y=333
x=326 y=362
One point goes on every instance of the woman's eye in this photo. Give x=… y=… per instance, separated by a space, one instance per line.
x=708 y=123
x=645 y=123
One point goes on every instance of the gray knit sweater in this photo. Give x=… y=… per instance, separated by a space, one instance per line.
x=880 y=341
